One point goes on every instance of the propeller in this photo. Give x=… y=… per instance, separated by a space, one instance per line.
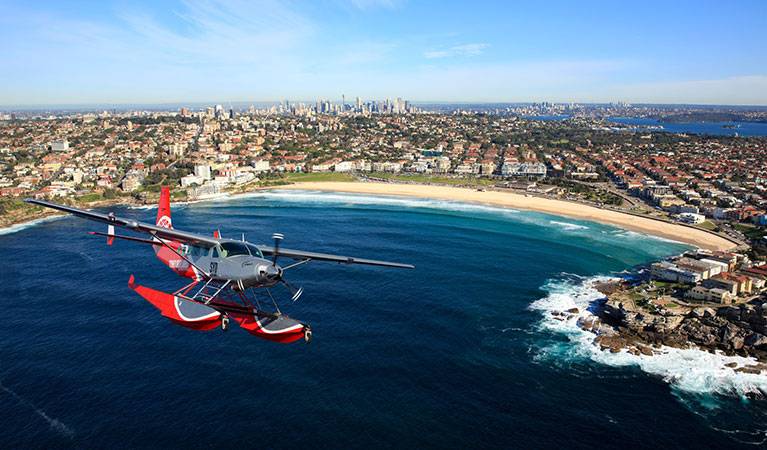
x=295 y=292
x=277 y=238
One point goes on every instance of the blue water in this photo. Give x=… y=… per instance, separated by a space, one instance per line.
x=742 y=128
x=458 y=353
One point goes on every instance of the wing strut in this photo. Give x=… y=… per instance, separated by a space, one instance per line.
x=154 y=235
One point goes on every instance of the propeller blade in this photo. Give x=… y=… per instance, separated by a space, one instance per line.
x=296 y=292
x=277 y=238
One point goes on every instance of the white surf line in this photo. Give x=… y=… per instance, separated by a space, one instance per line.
x=55 y=424
x=690 y=370
x=24 y=225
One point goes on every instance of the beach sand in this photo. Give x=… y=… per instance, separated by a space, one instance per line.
x=694 y=236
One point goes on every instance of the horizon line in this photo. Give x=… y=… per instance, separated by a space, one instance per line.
x=181 y=104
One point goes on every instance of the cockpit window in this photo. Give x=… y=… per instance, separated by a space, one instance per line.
x=233 y=249
x=255 y=251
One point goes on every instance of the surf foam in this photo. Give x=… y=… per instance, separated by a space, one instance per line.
x=308 y=196
x=568 y=226
x=23 y=226
x=689 y=370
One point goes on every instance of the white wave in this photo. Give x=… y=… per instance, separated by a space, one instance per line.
x=23 y=226
x=689 y=370
x=568 y=226
x=306 y=196
x=635 y=235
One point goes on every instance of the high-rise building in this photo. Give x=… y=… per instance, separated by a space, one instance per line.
x=359 y=103
x=202 y=171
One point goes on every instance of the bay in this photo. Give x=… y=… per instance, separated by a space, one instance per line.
x=459 y=352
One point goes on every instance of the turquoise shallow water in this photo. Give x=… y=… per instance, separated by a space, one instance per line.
x=460 y=352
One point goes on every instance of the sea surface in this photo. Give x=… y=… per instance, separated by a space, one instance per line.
x=741 y=128
x=461 y=352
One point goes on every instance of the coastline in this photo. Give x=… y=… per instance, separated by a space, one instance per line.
x=653 y=226
x=677 y=232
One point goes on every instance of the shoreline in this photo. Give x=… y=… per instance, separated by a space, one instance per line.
x=653 y=226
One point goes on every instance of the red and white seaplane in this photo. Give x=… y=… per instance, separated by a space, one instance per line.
x=224 y=273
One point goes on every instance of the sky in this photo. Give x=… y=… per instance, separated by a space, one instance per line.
x=154 y=52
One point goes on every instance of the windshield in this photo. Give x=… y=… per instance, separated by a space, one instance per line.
x=234 y=249
x=255 y=251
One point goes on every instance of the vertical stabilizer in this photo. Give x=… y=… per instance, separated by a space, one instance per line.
x=163 y=211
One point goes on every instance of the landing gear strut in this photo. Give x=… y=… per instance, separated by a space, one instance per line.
x=224 y=322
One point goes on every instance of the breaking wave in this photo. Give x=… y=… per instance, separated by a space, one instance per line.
x=634 y=235
x=321 y=197
x=23 y=226
x=568 y=226
x=688 y=370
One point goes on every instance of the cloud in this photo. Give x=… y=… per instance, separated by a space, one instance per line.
x=458 y=50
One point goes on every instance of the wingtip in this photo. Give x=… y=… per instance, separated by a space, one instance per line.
x=130 y=282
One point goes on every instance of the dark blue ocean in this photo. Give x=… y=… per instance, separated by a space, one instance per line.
x=461 y=352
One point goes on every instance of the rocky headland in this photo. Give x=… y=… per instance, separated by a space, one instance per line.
x=732 y=330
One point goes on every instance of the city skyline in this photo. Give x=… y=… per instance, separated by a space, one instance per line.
x=195 y=52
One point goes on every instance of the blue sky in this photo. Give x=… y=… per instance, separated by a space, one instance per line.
x=700 y=52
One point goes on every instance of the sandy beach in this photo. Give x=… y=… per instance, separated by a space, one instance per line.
x=677 y=232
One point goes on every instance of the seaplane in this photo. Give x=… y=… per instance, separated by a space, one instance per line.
x=224 y=273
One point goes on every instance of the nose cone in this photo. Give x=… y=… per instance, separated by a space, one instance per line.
x=268 y=271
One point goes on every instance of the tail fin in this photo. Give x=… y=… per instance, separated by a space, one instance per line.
x=163 y=211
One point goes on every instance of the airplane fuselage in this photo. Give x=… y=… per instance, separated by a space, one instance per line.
x=241 y=263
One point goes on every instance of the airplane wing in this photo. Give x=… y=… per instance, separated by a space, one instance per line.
x=299 y=254
x=134 y=225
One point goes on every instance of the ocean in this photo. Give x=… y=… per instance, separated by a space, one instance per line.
x=461 y=352
x=714 y=128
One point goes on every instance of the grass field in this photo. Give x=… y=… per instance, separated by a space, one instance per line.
x=315 y=176
x=435 y=179
x=751 y=231
x=708 y=226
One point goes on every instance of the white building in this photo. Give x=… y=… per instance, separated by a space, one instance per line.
x=261 y=166
x=190 y=180
x=344 y=166
x=687 y=217
x=202 y=171
x=62 y=146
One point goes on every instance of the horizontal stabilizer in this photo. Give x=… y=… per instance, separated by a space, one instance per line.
x=127 y=238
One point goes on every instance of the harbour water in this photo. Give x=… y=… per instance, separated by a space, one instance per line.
x=460 y=352
x=714 y=128
x=728 y=128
